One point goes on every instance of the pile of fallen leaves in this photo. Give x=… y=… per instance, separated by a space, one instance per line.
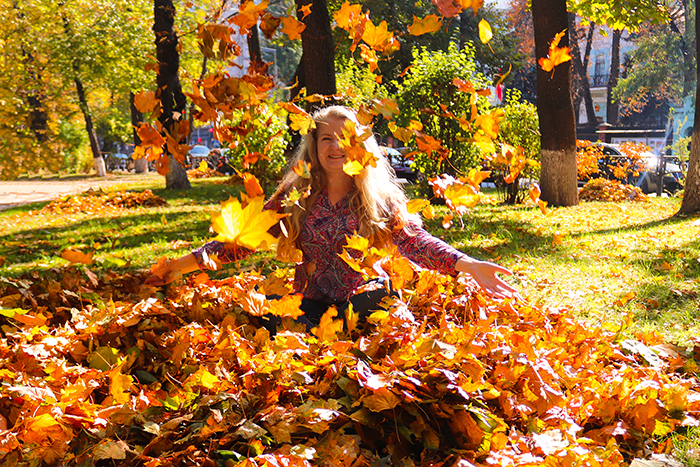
x=100 y=368
x=601 y=189
x=96 y=200
x=200 y=172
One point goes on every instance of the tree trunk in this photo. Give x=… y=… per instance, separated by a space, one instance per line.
x=140 y=164
x=254 y=50
x=318 y=54
x=555 y=108
x=466 y=25
x=581 y=70
x=97 y=159
x=691 y=193
x=168 y=83
x=613 y=108
x=688 y=50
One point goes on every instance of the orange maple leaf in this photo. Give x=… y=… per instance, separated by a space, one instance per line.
x=292 y=27
x=328 y=328
x=305 y=10
x=369 y=56
x=348 y=16
x=427 y=25
x=379 y=37
x=557 y=55
x=146 y=102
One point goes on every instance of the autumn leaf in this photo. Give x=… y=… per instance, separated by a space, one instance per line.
x=305 y=10
x=556 y=55
x=462 y=195
x=292 y=27
x=417 y=205
x=302 y=169
x=485 y=32
x=382 y=399
x=369 y=56
x=534 y=192
x=269 y=25
x=245 y=226
x=146 y=102
x=152 y=142
x=77 y=256
x=252 y=185
x=328 y=328
x=379 y=37
x=543 y=206
x=427 y=25
x=302 y=122
x=348 y=15
x=287 y=306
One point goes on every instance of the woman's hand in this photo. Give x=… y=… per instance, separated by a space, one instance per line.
x=485 y=274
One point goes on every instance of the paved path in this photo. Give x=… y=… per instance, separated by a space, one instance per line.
x=32 y=190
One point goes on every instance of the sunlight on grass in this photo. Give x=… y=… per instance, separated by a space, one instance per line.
x=609 y=262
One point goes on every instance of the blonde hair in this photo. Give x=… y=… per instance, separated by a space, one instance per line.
x=378 y=199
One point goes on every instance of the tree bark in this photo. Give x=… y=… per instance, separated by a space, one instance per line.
x=691 y=193
x=558 y=178
x=97 y=159
x=318 y=54
x=612 y=106
x=168 y=84
x=581 y=69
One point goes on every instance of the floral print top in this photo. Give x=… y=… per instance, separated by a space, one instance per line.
x=325 y=277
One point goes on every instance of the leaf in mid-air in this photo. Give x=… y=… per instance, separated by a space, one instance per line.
x=556 y=56
x=245 y=226
x=485 y=32
x=292 y=27
x=427 y=25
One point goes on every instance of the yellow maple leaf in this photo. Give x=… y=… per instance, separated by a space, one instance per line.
x=357 y=242
x=417 y=205
x=369 y=56
x=462 y=195
x=378 y=37
x=301 y=122
x=427 y=25
x=292 y=27
x=245 y=226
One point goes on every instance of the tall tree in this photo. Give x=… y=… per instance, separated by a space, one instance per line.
x=691 y=193
x=612 y=105
x=580 y=64
x=169 y=91
x=318 y=52
x=558 y=179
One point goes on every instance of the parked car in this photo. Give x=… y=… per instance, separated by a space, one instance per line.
x=642 y=171
x=403 y=166
x=197 y=154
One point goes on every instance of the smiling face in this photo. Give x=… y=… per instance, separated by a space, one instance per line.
x=330 y=155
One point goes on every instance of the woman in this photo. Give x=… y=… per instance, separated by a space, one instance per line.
x=371 y=203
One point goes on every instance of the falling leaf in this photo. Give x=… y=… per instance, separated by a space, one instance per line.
x=292 y=27
x=246 y=227
x=556 y=55
x=557 y=239
x=303 y=123
x=427 y=25
x=303 y=169
x=534 y=192
x=485 y=32
x=305 y=10
x=417 y=205
x=146 y=102
x=543 y=206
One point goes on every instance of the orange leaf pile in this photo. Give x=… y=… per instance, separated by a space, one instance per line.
x=97 y=200
x=601 y=189
x=443 y=377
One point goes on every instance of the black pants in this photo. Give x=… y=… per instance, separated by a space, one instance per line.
x=363 y=304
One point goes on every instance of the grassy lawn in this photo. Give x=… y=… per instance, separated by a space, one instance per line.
x=630 y=264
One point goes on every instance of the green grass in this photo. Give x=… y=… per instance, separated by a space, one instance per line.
x=615 y=262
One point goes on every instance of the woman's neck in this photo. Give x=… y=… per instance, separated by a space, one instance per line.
x=338 y=187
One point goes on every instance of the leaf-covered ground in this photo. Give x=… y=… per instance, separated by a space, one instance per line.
x=102 y=370
x=98 y=369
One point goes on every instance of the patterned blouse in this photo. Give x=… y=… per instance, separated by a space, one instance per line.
x=325 y=277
